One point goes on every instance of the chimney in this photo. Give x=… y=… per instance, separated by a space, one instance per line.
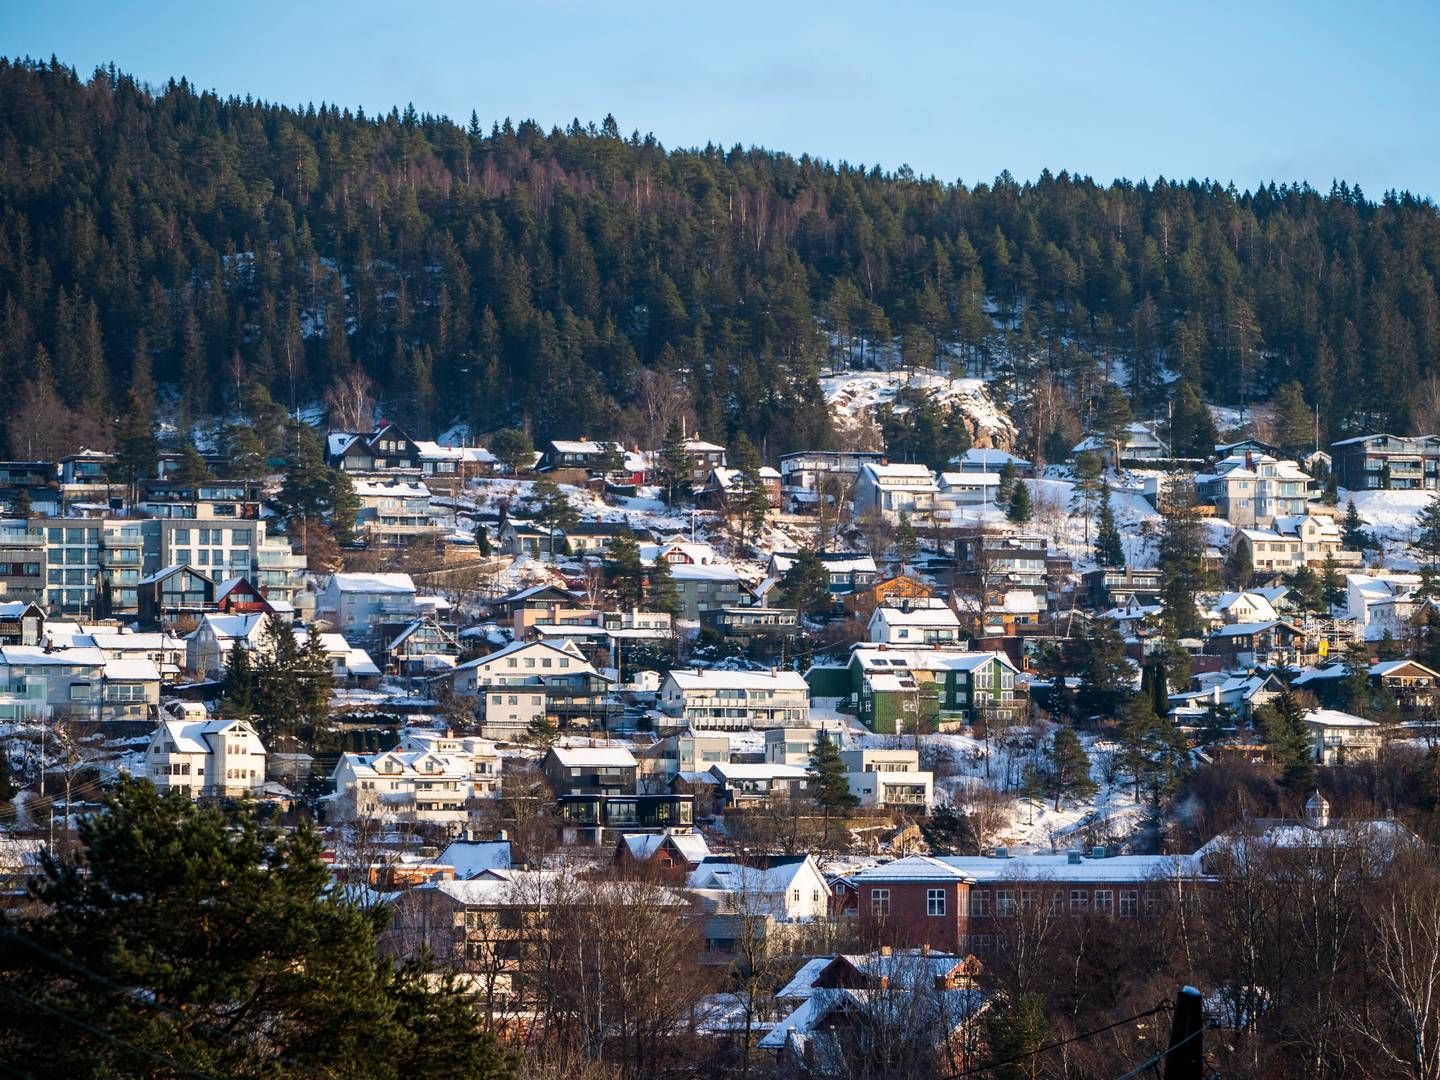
x=502 y=834
x=885 y=950
x=925 y=949
x=1075 y=857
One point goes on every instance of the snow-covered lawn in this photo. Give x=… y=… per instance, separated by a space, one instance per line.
x=974 y=770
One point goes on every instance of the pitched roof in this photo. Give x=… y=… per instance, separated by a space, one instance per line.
x=471 y=857
x=708 y=679
x=372 y=583
x=580 y=757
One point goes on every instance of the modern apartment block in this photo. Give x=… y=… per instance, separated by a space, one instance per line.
x=1380 y=462
x=60 y=563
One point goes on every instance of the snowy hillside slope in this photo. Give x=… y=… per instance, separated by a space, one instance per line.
x=853 y=397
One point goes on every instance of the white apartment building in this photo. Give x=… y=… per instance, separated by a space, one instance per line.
x=358 y=605
x=734 y=700
x=892 y=490
x=394 y=512
x=889 y=778
x=410 y=785
x=483 y=757
x=203 y=757
x=915 y=623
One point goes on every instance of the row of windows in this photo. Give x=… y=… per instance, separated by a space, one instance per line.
x=1008 y=901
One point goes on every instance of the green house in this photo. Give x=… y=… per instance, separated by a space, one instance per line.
x=946 y=689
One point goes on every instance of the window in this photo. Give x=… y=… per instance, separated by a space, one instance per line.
x=1004 y=902
x=934 y=901
x=879 y=902
x=980 y=902
x=1104 y=901
x=1079 y=899
x=1129 y=903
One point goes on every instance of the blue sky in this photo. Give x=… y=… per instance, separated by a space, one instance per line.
x=1247 y=92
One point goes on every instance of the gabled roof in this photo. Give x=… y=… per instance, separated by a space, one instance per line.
x=566 y=649
x=471 y=857
x=1388 y=667
x=911 y=868
x=690 y=846
x=709 y=679
x=597 y=757
x=170 y=571
x=774 y=880
x=372 y=583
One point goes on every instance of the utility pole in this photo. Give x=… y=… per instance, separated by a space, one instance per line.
x=1185 y=1060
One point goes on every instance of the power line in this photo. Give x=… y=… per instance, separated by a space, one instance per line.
x=1164 y=1006
x=1161 y=1056
x=107 y=1035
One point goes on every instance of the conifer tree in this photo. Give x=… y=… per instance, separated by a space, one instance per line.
x=1292 y=747
x=625 y=571
x=1182 y=558
x=1354 y=537
x=661 y=593
x=1006 y=487
x=1089 y=485
x=238 y=689
x=907 y=543
x=829 y=784
x=1066 y=768
x=513 y=449
x=1291 y=419
x=805 y=586
x=243 y=933
x=673 y=466
x=1109 y=548
x=1192 y=428
x=1020 y=510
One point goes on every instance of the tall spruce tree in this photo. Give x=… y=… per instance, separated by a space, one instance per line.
x=1292 y=747
x=673 y=467
x=1020 y=510
x=829 y=783
x=1109 y=548
x=1182 y=558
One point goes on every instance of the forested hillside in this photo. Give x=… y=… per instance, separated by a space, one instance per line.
x=584 y=281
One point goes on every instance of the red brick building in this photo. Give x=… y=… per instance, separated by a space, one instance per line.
x=955 y=903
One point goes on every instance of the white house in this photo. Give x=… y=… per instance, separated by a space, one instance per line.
x=410 y=785
x=961 y=493
x=914 y=624
x=1341 y=738
x=892 y=490
x=880 y=777
x=209 y=644
x=790 y=887
x=511 y=684
x=394 y=512
x=1238 y=607
x=1139 y=443
x=203 y=757
x=357 y=605
x=481 y=753
x=709 y=700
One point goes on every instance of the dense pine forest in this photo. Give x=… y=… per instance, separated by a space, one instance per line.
x=248 y=257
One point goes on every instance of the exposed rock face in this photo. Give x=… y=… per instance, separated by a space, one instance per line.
x=854 y=396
